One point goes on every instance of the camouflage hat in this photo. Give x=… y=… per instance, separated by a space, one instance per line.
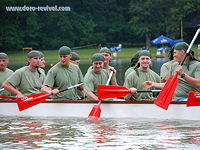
x=75 y=56
x=181 y=46
x=105 y=50
x=98 y=57
x=144 y=53
x=64 y=50
x=3 y=55
x=33 y=54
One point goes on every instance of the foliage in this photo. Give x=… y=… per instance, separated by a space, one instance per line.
x=92 y=21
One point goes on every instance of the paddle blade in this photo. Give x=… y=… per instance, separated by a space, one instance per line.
x=165 y=96
x=193 y=99
x=95 y=112
x=109 y=91
x=31 y=100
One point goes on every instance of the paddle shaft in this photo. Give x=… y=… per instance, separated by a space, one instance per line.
x=190 y=46
x=71 y=87
x=109 y=78
x=140 y=91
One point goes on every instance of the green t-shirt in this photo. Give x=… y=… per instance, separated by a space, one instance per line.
x=3 y=76
x=27 y=81
x=61 y=77
x=164 y=70
x=133 y=80
x=129 y=70
x=183 y=86
x=92 y=79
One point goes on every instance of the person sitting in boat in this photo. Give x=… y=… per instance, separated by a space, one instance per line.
x=134 y=64
x=42 y=60
x=189 y=73
x=135 y=79
x=97 y=76
x=107 y=56
x=164 y=70
x=28 y=79
x=75 y=59
x=62 y=75
x=4 y=72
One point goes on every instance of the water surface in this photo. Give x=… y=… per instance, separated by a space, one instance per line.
x=78 y=133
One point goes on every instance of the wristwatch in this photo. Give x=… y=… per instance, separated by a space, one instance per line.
x=183 y=75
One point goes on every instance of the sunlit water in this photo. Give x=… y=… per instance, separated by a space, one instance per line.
x=78 y=133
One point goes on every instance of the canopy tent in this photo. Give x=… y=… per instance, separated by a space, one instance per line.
x=162 y=40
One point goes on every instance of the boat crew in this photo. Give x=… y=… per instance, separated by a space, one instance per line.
x=164 y=70
x=4 y=71
x=97 y=76
x=135 y=79
x=28 y=79
x=42 y=60
x=75 y=59
x=134 y=64
x=62 y=75
x=107 y=56
x=189 y=73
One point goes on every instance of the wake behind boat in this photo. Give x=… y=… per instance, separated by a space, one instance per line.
x=117 y=108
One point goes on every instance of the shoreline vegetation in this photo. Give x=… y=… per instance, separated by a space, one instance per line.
x=86 y=53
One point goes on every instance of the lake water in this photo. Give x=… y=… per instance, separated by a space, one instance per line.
x=121 y=65
x=80 y=134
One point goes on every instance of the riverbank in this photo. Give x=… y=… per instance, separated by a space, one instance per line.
x=85 y=54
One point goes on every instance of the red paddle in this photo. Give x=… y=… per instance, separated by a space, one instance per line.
x=109 y=91
x=34 y=99
x=165 y=96
x=96 y=110
x=193 y=99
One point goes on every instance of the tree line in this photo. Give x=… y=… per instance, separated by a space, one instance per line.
x=94 y=21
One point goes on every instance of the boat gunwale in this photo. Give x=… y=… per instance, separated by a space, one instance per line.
x=104 y=102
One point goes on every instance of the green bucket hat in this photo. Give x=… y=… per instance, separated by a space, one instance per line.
x=105 y=50
x=33 y=54
x=181 y=46
x=3 y=55
x=75 y=56
x=144 y=53
x=64 y=50
x=98 y=57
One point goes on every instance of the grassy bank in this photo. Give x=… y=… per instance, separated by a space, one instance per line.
x=85 y=54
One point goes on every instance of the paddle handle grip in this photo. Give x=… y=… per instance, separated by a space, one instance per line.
x=71 y=87
x=139 y=91
x=2 y=89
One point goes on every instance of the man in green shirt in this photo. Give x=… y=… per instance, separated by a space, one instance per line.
x=134 y=64
x=28 y=79
x=4 y=71
x=189 y=73
x=164 y=70
x=136 y=78
x=62 y=75
x=75 y=59
x=96 y=76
